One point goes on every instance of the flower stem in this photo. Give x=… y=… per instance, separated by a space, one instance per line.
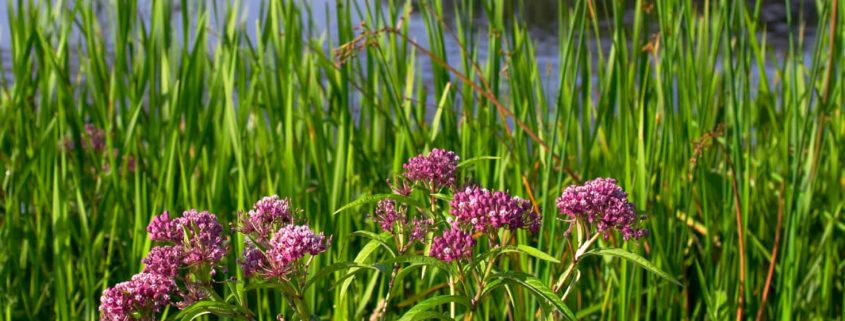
x=396 y=268
x=301 y=308
x=482 y=282
x=452 y=292
x=575 y=258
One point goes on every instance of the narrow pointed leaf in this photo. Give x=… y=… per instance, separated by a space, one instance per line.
x=639 y=260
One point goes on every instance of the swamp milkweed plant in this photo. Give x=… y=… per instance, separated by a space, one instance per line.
x=466 y=231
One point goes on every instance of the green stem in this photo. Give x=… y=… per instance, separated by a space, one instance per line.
x=396 y=268
x=301 y=308
x=482 y=282
x=575 y=258
x=452 y=292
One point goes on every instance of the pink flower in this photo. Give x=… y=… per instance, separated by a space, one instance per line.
x=164 y=260
x=454 y=244
x=96 y=138
x=485 y=210
x=253 y=260
x=388 y=213
x=142 y=296
x=204 y=236
x=162 y=228
x=602 y=202
x=436 y=170
x=419 y=229
x=266 y=215
x=290 y=244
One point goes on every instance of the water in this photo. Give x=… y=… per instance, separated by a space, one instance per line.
x=540 y=17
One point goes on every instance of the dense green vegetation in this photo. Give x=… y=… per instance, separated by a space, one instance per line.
x=732 y=150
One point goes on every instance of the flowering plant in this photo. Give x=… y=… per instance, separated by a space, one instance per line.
x=278 y=251
x=464 y=230
x=180 y=271
x=462 y=237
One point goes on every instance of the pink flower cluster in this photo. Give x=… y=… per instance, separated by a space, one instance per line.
x=479 y=210
x=164 y=260
x=419 y=228
x=292 y=243
x=603 y=203
x=289 y=245
x=436 y=170
x=486 y=211
x=198 y=232
x=195 y=237
x=164 y=229
x=96 y=138
x=137 y=299
x=253 y=260
x=266 y=215
x=454 y=244
x=204 y=236
x=388 y=214
x=285 y=245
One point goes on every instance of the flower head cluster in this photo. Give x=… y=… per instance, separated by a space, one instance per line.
x=195 y=238
x=388 y=213
x=137 y=299
x=400 y=187
x=419 y=227
x=204 y=237
x=290 y=244
x=96 y=138
x=191 y=293
x=199 y=235
x=266 y=215
x=270 y=225
x=164 y=260
x=436 y=170
x=164 y=229
x=253 y=260
x=453 y=244
x=602 y=202
x=485 y=210
x=131 y=163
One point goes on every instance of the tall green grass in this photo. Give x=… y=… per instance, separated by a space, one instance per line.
x=738 y=169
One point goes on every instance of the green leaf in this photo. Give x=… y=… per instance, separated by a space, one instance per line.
x=525 y=249
x=405 y=271
x=442 y=197
x=533 y=251
x=428 y=315
x=362 y=257
x=255 y=285
x=484 y=255
x=378 y=197
x=421 y=311
x=419 y=259
x=477 y=159
x=381 y=238
x=639 y=260
x=537 y=287
x=209 y=307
